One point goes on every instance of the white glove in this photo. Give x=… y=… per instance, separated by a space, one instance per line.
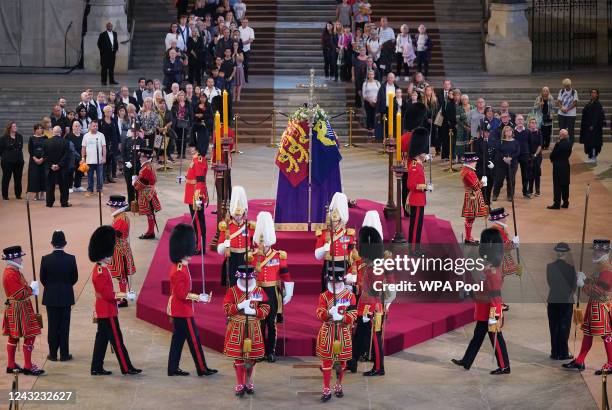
x=387 y=305
x=134 y=178
x=34 y=286
x=244 y=304
x=222 y=247
x=326 y=247
x=288 y=292
x=580 y=277
x=365 y=319
x=492 y=321
x=484 y=180
x=226 y=243
x=128 y=165
x=203 y=297
x=333 y=310
x=180 y=179
x=250 y=311
x=198 y=203
x=337 y=317
x=320 y=252
x=351 y=278
x=131 y=295
x=427 y=157
x=430 y=187
x=490 y=165
x=515 y=241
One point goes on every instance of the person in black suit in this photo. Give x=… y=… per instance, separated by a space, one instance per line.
x=56 y=156
x=108 y=46
x=561 y=170
x=561 y=278
x=58 y=274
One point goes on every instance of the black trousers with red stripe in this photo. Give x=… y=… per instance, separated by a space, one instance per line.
x=416 y=224
x=185 y=329
x=110 y=332
x=501 y=352
x=199 y=225
x=361 y=344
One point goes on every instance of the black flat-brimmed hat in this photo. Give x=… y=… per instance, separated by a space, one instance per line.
x=12 y=252
x=601 y=244
x=470 y=157
x=58 y=239
x=117 y=201
x=496 y=214
x=246 y=272
x=562 y=247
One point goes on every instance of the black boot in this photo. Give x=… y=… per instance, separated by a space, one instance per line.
x=573 y=366
x=461 y=363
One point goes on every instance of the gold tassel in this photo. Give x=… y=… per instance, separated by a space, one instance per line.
x=247 y=345
x=578 y=316
x=378 y=322
x=336 y=347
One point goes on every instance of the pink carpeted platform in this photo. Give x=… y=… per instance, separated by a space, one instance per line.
x=408 y=324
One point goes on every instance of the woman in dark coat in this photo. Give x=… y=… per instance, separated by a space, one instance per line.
x=202 y=124
x=11 y=162
x=36 y=168
x=329 y=42
x=591 y=127
x=448 y=125
x=559 y=157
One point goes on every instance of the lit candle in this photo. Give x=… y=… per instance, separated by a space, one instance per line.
x=217 y=137
x=225 y=114
x=398 y=136
x=390 y=98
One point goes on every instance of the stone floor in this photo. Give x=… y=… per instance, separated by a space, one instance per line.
x=421 y=377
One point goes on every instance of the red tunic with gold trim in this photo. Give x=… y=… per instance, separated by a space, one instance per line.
x=123 y=261
x=195 y=184
x=597 y=321
x=106 y=299
x=272 y=270
x=490 y=296
x=180 y=302
x=148 y=203
x=342 y=245
x=330 y=330
x=474 y=205
x=416 y=184
x=509 y=267
x=234 y=333
x=19 y=317
x=235 y=233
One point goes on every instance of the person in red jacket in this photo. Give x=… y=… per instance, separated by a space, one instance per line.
x=337 y=312
x=122 y=264
x=245 y=305
x=180 y=304
x=101 y=249
x=488 y=313
x=19 y=318
x=597 y=320
x=474 y=205
x=273 y=276
x=417 y=185
x=196 y=196
x=144 y=184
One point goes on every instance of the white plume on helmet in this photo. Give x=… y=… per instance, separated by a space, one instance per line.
x=264 y=230
x=238 y=199
x=372 y=219
x=339 y=202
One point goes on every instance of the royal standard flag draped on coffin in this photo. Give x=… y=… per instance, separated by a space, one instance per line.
x=325 y=151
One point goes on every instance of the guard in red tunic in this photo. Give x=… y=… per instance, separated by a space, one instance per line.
x=488 y=313
x=337 y=311
x=474 y=205
x=144 y=184
x=196 y=195
x=373 y=304
x=101 y=249
x=339 y=249
x=180 y=304
x=19 y=318
x=235 y=235
x=245 y=305
x=597 y=318
x=122 y=264
x=417 y=185
x=273 y=277
x=498 y=218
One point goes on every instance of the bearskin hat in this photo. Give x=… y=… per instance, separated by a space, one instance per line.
x=419 y=142
x=415 y=116
x=370 y=243
x=182 y=242
x=491 y=246
x=102 y=243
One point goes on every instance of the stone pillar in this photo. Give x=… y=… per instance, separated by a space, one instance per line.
x=103 y=11
x=508 y=47
x=602 y=32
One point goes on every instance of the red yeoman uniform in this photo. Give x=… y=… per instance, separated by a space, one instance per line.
x=148 y=202
x=245 y=303
x=19 y=318
x=196 y=195
x=122 y=263
x=474 y=205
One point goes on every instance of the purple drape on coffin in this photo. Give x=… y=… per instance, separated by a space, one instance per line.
x=292 y=203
